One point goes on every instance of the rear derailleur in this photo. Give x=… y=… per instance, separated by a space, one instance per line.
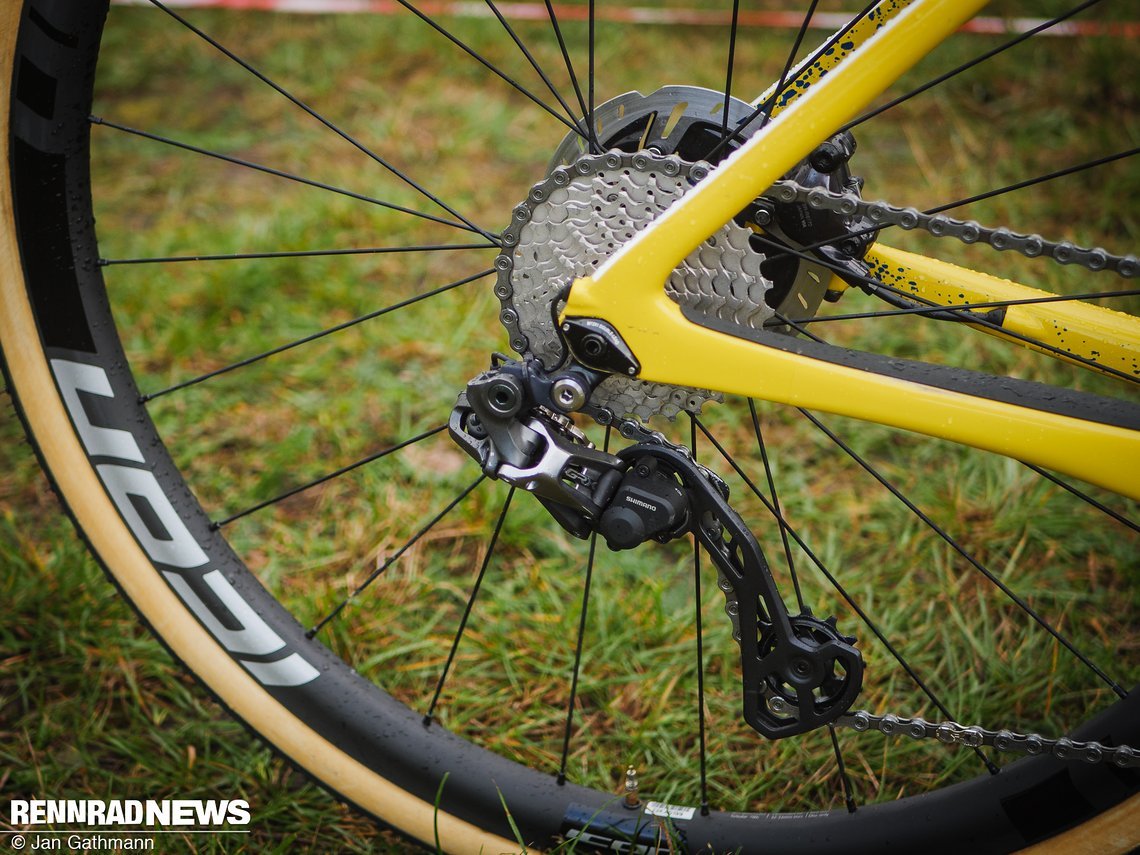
x=798 y=672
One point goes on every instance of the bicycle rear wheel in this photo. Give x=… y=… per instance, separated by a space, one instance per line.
x=128 y=467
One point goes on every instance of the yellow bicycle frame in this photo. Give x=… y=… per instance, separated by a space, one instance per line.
x=628 y=290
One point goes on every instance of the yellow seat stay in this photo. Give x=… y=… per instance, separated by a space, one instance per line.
x=641 y=266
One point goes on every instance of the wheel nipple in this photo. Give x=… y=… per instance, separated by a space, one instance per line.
x=631 y=800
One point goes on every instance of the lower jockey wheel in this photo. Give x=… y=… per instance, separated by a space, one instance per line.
x=812 y=687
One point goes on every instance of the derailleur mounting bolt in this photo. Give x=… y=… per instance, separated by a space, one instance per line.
x=505 y=396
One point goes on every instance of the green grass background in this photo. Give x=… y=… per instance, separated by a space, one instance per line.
x=91 y=707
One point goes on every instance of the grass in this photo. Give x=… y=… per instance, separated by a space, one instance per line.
x=93 y=708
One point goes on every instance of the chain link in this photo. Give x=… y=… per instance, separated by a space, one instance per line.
x=972 y=736
x=967 y=231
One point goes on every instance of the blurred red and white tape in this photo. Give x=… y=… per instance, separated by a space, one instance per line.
x=634 y=15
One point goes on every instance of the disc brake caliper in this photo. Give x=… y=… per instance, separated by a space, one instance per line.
x=798 y=672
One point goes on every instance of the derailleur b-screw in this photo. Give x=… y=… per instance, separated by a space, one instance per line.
x=569 y=393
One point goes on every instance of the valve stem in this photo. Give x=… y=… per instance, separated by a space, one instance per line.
x=631 y=799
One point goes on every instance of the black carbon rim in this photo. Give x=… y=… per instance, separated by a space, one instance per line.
x=55 y=60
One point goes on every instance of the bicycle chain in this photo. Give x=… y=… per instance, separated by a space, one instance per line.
x=952 y=733
x=967 y=231
x=1031 y=246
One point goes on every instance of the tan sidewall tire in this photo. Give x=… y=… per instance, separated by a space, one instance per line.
x=1116 y=830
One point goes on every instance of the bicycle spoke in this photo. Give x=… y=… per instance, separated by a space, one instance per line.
x=731 y=65
x=780 y=521
x=304 y=253
x=408 y=544
x=427 y=19
x=843 y=592
x=964 y=307
x=568 y=726
x=590 y=85
x=470 y=605
x=700 y=646
x=1084 y=497
x=1041 y=179
x=771 y=103
x=785 y=321
x=595 y=146
x=537 y=68
x=1025 y=339
x=1045 y=25
x=701 y=736
x=848 y=792
x=243 y=363
x=957 y=547
x=248 y=164
x=344 y=470
x=344 y=135
x=765 y=108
